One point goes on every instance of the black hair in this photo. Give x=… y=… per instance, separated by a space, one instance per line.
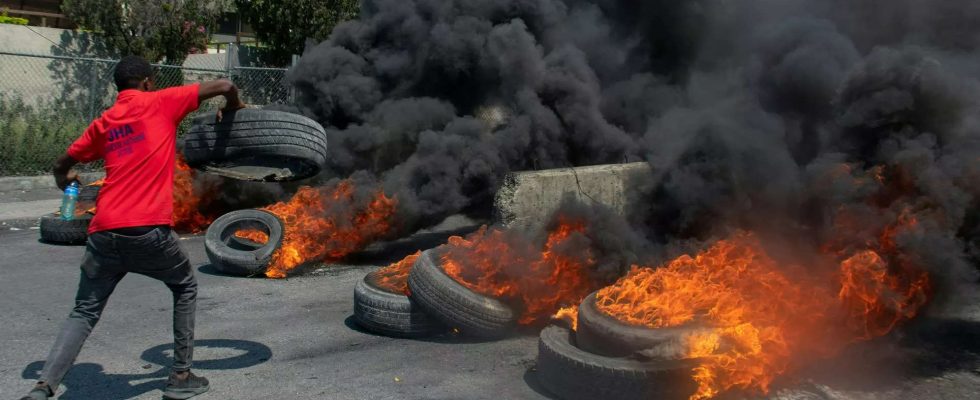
x=130 y=71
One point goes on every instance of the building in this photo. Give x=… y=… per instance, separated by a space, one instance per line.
x=45 y=13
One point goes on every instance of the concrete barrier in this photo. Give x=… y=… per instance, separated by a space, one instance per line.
x=527 y=198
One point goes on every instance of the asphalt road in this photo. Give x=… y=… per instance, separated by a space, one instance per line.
x=292 y=338
x=256 y=338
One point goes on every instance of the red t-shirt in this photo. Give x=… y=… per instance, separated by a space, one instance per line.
x=137 y=137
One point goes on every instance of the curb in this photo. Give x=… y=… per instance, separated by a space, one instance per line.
x=11 y=183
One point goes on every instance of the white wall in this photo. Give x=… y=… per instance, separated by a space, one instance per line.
x=36 y=79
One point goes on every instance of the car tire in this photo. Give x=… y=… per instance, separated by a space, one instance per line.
x=571 y=373
x=455 y=305
x=235 y=256
x=56 y=230
x=257 y=145
x=390 y=314
x=602 y=334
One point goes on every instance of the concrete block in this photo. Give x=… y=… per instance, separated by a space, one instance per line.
x=527 y=198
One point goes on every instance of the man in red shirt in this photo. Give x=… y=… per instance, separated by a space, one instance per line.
x=131 y=230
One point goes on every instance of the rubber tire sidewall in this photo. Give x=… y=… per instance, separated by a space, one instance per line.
x=574 y=374
x=390 y=314
x=242 y=262
x=602 y=334
x=456 y=305
x=53 y=229
x=256 y=133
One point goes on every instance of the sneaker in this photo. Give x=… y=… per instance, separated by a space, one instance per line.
x=41 y=392
x=190 y=385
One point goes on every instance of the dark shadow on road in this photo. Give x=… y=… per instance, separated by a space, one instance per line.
x=90 y=381
x=209 y=269
x=531 y=379
x=254 y=353
x=351 y=324
x=447 y=337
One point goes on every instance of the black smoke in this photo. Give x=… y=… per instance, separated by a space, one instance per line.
x=771 y=115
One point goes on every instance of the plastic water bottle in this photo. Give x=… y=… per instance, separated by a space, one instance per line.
x=68 y=202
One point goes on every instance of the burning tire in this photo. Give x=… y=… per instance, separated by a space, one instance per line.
x=257 y=145
x=457 y=306
x=235 y=256
x=571 y=373
x=56 y=230
x=601 y=334
x=388 y=313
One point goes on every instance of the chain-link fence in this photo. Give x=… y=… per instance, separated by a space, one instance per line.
x=47 y=101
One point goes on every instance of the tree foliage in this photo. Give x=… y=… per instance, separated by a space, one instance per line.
x=4 y=19
x=158 y=30
x=285 y=25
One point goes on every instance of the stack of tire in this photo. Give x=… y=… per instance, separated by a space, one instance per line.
x=74 y=231
x=434 y=302
x=605 y=358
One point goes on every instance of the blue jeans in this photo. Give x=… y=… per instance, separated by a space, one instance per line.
x=108 y=258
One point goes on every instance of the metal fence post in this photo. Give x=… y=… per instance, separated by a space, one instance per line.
x=91 y=91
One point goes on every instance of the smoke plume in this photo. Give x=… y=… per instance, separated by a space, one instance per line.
x=786 y=116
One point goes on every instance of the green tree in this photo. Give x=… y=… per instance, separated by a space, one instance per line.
x=158 y=30
x=285 y=25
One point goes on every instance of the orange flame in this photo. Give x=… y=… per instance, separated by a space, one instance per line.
x=569 y=314
x=546 y=279
x=878 y=298
x=762 y=321
x=254 y=235
x=394 y=278
x=314 y=231
x=187 y=215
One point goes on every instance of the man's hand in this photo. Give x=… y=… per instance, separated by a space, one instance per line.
x=221 y=87
x=63 y=174
x=230 y=108
x=64 y=180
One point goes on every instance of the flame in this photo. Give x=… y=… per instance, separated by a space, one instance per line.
x=187 y=215
x=762 y=319
x=877 y=298
x=254 y=235
x=545 y=279
x=394 y=278
x=327 y=224
x=99 y=182
x=569 y=314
